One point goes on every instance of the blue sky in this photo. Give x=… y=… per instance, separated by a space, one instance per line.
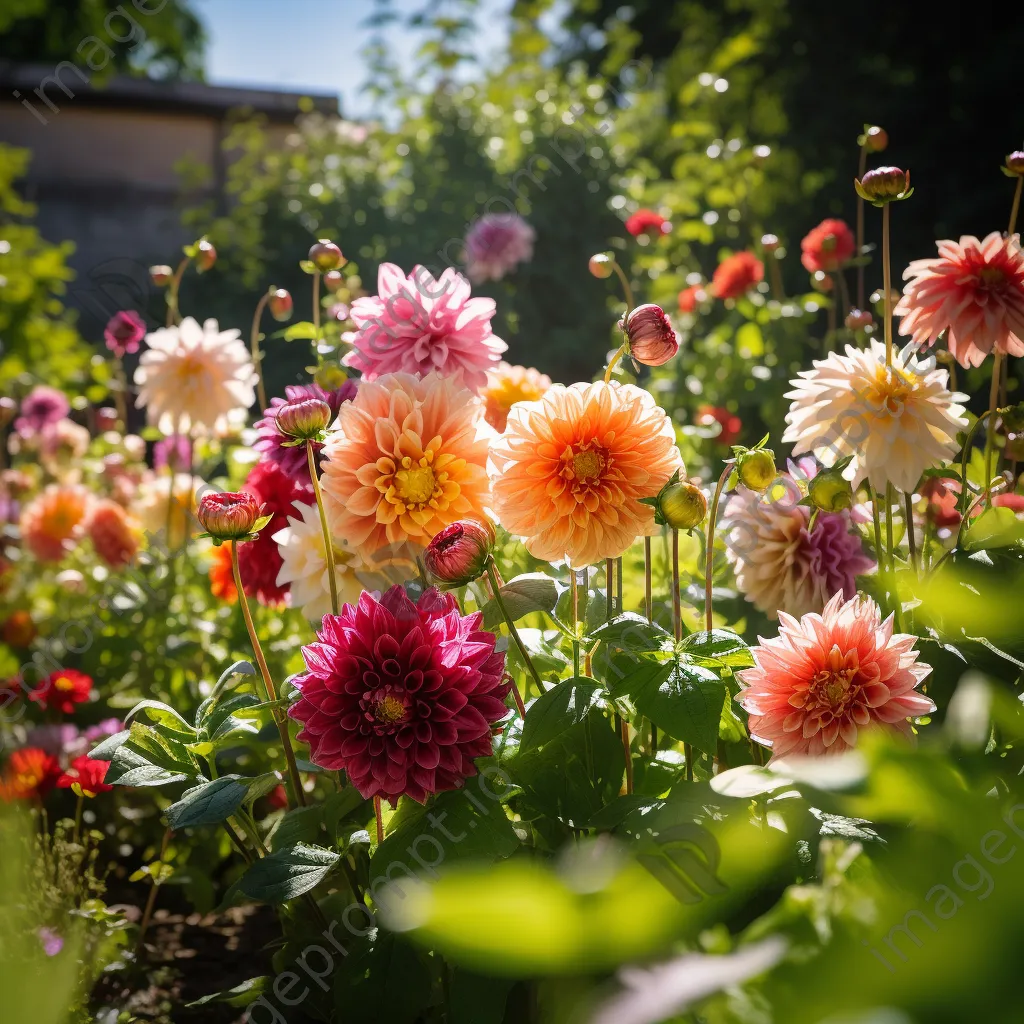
x=311 y=45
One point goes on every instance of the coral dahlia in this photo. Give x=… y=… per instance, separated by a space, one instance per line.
x=507 y=385
x=690 y=298
x=570 y=470
x=974 y=291
x=496 y=244
x=29 y=773
x=418 y=325
x=53 y=522
x=736 y=275
x=827 y=247
x=896 y=422
x=401 y=696
x=826 y=677
x=113 y=532
x=407 y=458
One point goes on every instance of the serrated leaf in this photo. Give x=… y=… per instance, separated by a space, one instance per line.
x=287 y=873
x=563 y=706
x=220 y=718
x=129 y=768
x=207 y=804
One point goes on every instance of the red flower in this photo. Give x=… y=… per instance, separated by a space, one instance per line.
x=690 y=297
x=85 y=777
x=731 y=425
x=30 y=772
x=62 y=690
x=647 y=222
x=228 y=516
x=941 y=496
x=736 y=275
x=277 y=798
x=827 y=247
x=222 y=578
x=259 y=561
x=401 y=696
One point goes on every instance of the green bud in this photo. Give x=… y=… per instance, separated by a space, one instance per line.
x=682 y=505
x=756 y=468
x=829 y=491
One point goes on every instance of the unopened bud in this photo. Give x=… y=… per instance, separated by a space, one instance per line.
x=333 y=280
x=161 y=275
x=280 y=304
x=830 y=491
x=325 y=256
x=883 y=185
x=859 y=319
x=756 y=468
x=874 y=139
x=652 y=340
x=304 y=418
x=206 y=256
x=459 y=553
x=228 y=516
x=683 y=505
x=1015 y=162
x=601 y=265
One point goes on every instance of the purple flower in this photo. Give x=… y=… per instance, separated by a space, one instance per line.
x=174 y=452
x=496 y=244
x=54 y=739
x=52 y=943
x=124 y=331
x=272 y=443
x=42 y=407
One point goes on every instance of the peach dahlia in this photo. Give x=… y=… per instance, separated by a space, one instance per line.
x=570 y=470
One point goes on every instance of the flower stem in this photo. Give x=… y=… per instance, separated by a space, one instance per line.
x=887 y=286
x=709 y=548
x=618 y=585
x=908 y=504
x=316 y=315
x=861 y=167
x=626 y=290
x=492 y=575
x=378 y=814
x=620 y=352
x=270 y=691
x=648 y=590
x=1016 y=206
x=121 y=394
x=677 y=614
x=575 y=592
x=775 y=275
x=626 y=750
x=609 y=587
x=173 y=312
x=254 y=346
x=990 y=427
x=332 y=578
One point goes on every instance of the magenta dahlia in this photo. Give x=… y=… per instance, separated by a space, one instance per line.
x=276 y=446
x=401 y=696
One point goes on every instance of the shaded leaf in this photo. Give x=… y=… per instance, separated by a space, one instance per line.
x=563 y=706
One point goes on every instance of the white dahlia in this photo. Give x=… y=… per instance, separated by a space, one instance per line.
x=195 y=378
x=895 y=423
x=304 y=566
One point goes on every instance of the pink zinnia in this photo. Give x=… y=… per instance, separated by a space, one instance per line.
x=418 y=325
x=825 y=677
x=975 y=291
x=496 y=244
x=401 y=696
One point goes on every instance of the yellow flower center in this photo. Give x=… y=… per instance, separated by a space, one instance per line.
x=891 y=390
x=587 y=464
x=63 y=684
x=833 y=687
x=415 y=485
x=991 y=277
x=389 y=710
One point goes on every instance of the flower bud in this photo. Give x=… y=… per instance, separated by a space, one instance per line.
x=19 y=630
x=280 y=304
x=830 y=491
x=769 y=242
x=161 y=275
x=228 y=516
x=683 y=505
x=206 y=255
x=325 y=256
x=1015 y=163
x=333 y=280
x=652 y=341
x=601 y=265
x=874 y=139
x=822 y=282
x=459 y=553
x=756 y=468
x=859 y=319
x=8 y=410
x=883 y=185
x=304 y=418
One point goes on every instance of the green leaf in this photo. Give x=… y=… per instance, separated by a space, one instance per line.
x=530 y=592
x=287 y=873
x=477 y=999
x=207 y=804
x=239 y=996
x=166 y=719
x=719 y=647
x=220 y=719
x=303 y=330
x=994 y=528
x=104 y=750
x=560 y=708
x=632 y=632
x=149 y=758
x=686 y=703
x=129 y=768
x=633 y=677
x=387 y=983
x=299 y=825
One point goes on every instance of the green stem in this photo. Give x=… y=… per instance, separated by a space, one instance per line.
x=648 y=587
x=492 y=575
x=316 y=315
x=254 y=346
x=990 y=431
x=908 y=505
x=574 y=590
x=620 y=352
x=609 y=587
x=332 y=578
x=626 y=290
x=270 y=691
x=709 y=548
x=378 y=814
x=173 y=312
x=861 y=167
x=887 y=285
x=147 y=911
x=1016 y=207
x=677 y=614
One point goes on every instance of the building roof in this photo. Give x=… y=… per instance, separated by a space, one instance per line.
x=129 y=92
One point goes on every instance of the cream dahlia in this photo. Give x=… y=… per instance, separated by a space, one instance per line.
x=406 y=458
x=304 y=565
x=507 y=385
x=974 y=291
x=570 y=470
x=826 y=677
x=418 y=325
x=195 y=378
x=895 y=423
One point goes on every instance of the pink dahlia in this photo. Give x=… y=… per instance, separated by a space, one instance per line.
x=260 y=561
x=418 y=325
x=496 y=244
x=825 y=677
x=974 y=291
x=124 y=331
x=401 y=696
x=41 y=408
x=276 y=446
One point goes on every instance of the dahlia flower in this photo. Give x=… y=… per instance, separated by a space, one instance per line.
x=166 y=505
x=113 y=532
x=124 y=330
x=273 y=444
x=496 y=244
x=459 y=554
x=227 y=515
x=222 y=576
x=85 y=777
x=570 y=470
x=62 y=690
x=53 y=522
x=896 y=423
x=42 y=407
x=195 y=378
x=30 y=773
x=61 y=447
x=690 y=298
x=827 y=247
x=407 y=458
x=418 y=325
x=974 y=291
x=782 y=564
x=647 y=222
x=507 y=385
x=736 y=275
x=304 y=565
x=401 y=696
x=259 y=560
x=825 y=677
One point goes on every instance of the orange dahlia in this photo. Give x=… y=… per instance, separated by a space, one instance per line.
x=30 y=773
x=113 y=532
x=52 y=523
x=222 y=579
x=507 y=385
x=407 y=458
x=571 y=468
